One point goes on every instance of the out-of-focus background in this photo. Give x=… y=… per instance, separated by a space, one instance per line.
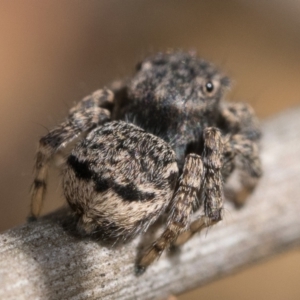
x=55 y=52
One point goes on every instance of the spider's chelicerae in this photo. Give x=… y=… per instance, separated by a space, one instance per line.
x=165 y=141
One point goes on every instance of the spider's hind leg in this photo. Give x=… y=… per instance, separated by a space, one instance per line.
x=180 y=212
x=88 y=113
x=212 y=188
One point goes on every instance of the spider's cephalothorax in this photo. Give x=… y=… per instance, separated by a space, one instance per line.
x=155 y=144
x=175 y=97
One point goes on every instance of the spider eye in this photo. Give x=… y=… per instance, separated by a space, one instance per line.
x=209 y=86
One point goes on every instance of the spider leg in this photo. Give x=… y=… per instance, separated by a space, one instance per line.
x=88 y=113
x=181 y=209
x=185 y=197
x=212 y=188
x=241 y=148
x=249 y=165
x=239 y=118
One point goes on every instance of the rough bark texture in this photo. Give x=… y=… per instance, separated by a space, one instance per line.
x=47 y=260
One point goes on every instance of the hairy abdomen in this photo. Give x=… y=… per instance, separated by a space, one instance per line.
x=119 y=179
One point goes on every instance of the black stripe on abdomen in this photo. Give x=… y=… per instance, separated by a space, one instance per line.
x=128 y=192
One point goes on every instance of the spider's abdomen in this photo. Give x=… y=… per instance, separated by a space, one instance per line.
x=119 y=179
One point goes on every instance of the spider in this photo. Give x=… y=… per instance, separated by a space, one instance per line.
x=163 y=142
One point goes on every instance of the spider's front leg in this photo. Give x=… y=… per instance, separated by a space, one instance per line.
x=212 y=187
x=181 y=209
x=88 y=113
x=241 y=148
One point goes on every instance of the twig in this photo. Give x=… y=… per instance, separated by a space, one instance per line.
x=47 y=260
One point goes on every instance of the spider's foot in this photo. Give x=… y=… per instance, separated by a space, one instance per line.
x=139 y=270
x=31 y=219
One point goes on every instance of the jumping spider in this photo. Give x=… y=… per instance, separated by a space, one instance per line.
x=163 y=142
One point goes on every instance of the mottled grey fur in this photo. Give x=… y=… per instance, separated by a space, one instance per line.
x=163 y=141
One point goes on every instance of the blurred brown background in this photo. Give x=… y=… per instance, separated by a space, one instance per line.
x=55 y=52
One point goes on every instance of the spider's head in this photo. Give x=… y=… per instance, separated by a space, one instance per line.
x=178 y=86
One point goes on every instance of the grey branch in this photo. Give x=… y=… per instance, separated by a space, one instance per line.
x=48 y=260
